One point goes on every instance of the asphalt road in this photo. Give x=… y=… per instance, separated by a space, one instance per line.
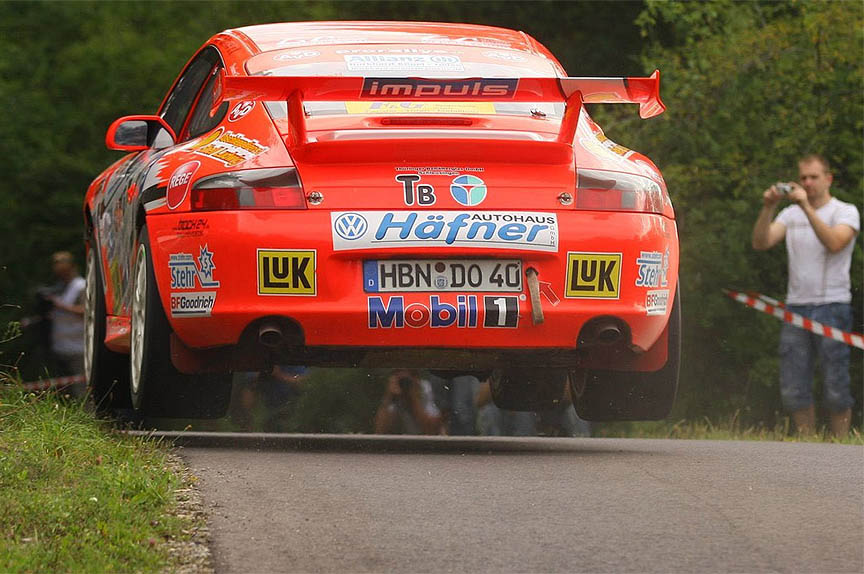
x=300 y=503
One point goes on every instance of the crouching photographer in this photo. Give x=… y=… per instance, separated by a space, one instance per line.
x=408 y=406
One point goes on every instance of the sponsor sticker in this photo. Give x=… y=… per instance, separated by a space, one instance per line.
x=439 y=170
x=228 y=147
x=179 y=183
x=240 y=110
x=296 y=55
x=468 y=190
x=653 y=267
x=593 y=275
x=396 y=108
x=395 y=88
x=198 y=304
x=442 y=312
x=533 y=231
x=286 y=272
x=504 y=56
x=403 y=63
x=656 y=302
x=189 y=272
x=191 y=227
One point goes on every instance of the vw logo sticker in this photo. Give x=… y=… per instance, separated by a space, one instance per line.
x=468 y=190
x=350 y=226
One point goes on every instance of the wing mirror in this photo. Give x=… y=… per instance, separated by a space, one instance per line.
x=138 y=133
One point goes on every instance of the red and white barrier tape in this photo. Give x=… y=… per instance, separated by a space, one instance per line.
x=56 y=382
x=776 y=308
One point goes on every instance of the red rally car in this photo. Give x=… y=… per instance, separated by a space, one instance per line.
x=382 y=194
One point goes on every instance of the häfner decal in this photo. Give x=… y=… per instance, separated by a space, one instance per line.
x=533 y=231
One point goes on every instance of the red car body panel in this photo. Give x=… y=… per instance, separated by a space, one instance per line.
x=208 y=263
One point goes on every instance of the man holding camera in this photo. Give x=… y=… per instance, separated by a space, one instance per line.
x=819 y=231
x=408 y=406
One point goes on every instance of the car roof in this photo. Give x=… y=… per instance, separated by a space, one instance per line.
x=268 y=37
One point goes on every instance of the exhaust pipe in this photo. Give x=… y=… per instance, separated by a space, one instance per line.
x=270 y=335
x=602 y=332
x=608 y=334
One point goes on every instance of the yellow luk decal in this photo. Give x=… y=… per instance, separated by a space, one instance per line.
x=283 y=272
x=593 y=275
x=420 y=107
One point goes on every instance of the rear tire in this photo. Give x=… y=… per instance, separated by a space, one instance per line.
x=528 y=389
x=107 y=372
x=628 y=395
x=157 y=388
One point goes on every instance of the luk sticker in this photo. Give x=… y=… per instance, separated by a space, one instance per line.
x=240 y=111
x=228 y=147
x=198 y=304
x=179 y=183
x=190 y=272
x=656 y=302
x=284 y=272
x=593 y=275
x=403 y=63
x=532 y=231
x=653 y=267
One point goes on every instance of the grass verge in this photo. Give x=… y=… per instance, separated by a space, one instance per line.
x=75 y=497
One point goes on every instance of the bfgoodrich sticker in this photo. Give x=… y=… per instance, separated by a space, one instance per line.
x=656 y=302
x=198 y=304
x=532 y=231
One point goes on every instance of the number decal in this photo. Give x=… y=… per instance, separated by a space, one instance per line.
x=501 y=311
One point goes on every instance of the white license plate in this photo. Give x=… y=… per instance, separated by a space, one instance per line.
x=386 y=275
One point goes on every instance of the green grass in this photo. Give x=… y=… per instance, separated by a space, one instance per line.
x=729 y=429
x=75 y=497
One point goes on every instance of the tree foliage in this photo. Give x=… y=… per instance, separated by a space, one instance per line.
x=750 y=88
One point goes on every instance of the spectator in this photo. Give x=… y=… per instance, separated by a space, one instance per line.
x=408 y=406
x=499 y=422
x=67 y=315
x=819 y=231
x=454 y=396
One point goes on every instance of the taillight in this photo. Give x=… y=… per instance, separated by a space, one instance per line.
x=616 y=191
x=273 y=188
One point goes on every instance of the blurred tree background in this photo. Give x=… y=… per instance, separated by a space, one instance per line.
x=749 y=88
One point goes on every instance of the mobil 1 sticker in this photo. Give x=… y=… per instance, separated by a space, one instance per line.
x=389 y=275
x=533 y=231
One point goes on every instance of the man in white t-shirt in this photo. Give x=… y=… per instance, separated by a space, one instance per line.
x=819 y=231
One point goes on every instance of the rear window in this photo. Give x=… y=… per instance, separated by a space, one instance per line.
x=415 y=61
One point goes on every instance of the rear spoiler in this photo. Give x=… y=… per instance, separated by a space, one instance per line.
x=574 y=91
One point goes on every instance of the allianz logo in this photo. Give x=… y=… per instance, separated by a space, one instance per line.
x=444 y=228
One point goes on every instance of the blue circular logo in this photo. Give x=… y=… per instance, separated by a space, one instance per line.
x=468 y=190
x=350 y=226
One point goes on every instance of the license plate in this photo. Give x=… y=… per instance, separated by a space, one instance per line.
x=386 y=275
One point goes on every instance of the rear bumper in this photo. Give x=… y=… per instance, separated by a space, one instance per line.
x=209 y=270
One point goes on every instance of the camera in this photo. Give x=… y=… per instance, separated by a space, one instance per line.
x=783 y=188
x=405 y=383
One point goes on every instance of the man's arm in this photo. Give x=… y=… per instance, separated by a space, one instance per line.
x=767 y=233
x=833 y=237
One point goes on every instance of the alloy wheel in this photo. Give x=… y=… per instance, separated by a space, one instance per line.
x=90 y=315
x=139 y=309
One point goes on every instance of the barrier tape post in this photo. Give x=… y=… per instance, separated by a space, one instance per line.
x=777 y=309
x=56 y=382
